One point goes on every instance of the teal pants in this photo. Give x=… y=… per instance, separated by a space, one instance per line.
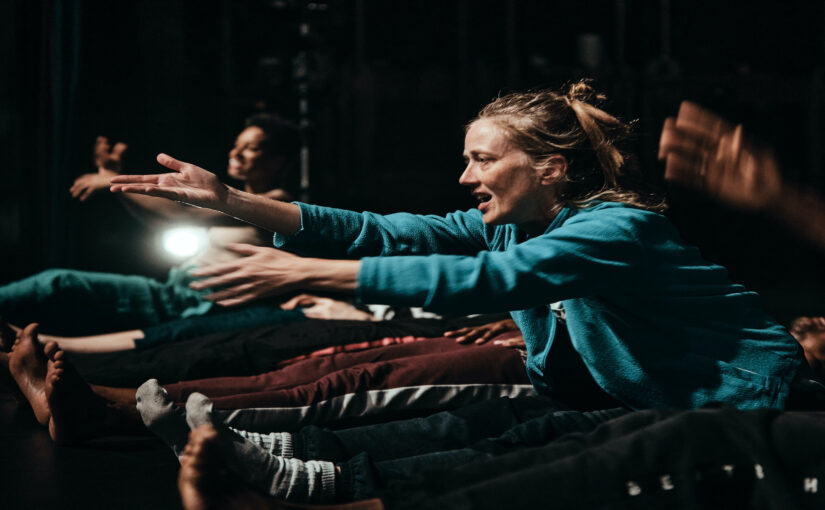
x=71 y=303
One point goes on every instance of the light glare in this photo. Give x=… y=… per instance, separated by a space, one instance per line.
x=184 y=241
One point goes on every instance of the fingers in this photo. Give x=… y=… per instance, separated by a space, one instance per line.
x=683 y=170
x=490 y=333
x=246 y=249
x=136 y=179
x=214 y=269
x=232 y=292
x=511 y=342
x=239 y=300
x=170 y=162
x=457 y=332
x=119 y=149
x=228 y=278
x=149 y=190
x=299 y=301
x=76 y=189
x=696 y=119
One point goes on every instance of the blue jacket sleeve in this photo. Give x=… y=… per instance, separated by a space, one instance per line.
x=336 y=233
x=589 y=254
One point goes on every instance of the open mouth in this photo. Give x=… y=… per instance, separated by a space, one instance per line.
x=483 y=197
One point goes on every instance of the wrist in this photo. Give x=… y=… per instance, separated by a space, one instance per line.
x=231 y=201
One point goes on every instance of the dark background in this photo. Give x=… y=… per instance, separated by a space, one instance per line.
x=389 y=86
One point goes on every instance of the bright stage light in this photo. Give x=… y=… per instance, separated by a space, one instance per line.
x=183 y=242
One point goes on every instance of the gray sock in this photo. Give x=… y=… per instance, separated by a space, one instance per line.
x=162 y=416
x=276 y=443
x=288 y=479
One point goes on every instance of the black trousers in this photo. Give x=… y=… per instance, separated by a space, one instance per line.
x=707 y=458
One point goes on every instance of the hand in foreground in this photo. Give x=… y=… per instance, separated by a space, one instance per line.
x=188 y=183
x=316 y=307
x=261 y=273
x=483 y=333
x=703 y=151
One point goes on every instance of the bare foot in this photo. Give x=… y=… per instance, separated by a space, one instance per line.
x=76 y=412
x=27 y=364
x=205 y=483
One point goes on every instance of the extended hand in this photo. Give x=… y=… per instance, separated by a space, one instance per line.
x=483 y=333
x=703 y=151
x=88 y=184
x=262 y=272
x=316 y=307
x=188 y=183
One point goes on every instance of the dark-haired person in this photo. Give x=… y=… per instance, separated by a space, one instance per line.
x=69 y=302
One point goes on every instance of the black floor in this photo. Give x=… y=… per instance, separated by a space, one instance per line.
x=106 y=473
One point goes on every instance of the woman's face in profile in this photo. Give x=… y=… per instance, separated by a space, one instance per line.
x=501 y=177
x=248 y=158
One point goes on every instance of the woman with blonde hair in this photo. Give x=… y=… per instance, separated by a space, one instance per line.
x=563 y=215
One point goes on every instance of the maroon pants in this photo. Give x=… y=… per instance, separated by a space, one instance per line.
x=429 y=375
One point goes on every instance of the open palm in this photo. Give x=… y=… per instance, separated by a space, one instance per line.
x=187 y=183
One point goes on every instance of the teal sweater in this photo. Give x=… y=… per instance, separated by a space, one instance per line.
x=656 y=325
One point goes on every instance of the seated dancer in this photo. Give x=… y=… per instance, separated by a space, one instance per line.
x=69 y=302
x=563 y=216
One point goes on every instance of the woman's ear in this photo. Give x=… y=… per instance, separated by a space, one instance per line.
x=554 y=170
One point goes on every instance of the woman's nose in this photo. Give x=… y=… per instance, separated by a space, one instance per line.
x=468 y=176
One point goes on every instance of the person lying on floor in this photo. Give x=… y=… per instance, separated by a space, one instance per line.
x=417 y=377
x=71 y=303
x=296 y=309
x=563 y=215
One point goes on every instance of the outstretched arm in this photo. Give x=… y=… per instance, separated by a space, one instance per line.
x=109 y=162
x=704 y=152
x=193 y=185
x=264 y=272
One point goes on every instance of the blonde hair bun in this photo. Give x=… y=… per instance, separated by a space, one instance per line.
x=582 y=91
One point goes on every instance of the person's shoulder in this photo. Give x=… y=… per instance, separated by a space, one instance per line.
x=618 y=219
x=616 y=212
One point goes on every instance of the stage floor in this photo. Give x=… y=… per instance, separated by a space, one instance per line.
x=108 y=473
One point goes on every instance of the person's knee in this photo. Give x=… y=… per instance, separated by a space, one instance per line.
x=52 y=280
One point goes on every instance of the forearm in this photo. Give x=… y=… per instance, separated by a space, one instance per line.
x=167 y=209
x=272 y=215
x=331 y=275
